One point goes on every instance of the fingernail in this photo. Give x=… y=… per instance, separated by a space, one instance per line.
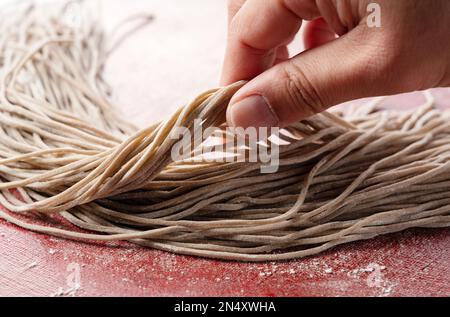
x=253 y=111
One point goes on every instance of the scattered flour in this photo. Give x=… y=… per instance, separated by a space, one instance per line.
x=32 y=265
x=374 y=278
x=70 y=292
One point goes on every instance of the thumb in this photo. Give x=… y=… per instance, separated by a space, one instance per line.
x=347 y=68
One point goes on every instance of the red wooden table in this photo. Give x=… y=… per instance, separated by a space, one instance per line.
x=152 y=80
x=414 y=263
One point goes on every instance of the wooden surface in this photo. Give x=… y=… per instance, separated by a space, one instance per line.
x=165 y=65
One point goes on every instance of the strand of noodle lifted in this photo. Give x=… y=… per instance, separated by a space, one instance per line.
x=64 y=150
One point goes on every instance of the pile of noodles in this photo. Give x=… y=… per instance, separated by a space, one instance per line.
x=65 y=150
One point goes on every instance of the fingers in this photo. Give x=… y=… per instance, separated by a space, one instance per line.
x=282 y=54
x=317 y=33
x=257 y=30
x=338 y=71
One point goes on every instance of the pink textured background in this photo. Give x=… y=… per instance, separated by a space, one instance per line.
x=158 y=69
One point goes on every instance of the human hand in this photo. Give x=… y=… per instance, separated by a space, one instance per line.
x=409 y=51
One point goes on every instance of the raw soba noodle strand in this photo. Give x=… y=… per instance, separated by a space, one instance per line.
x=66 y=150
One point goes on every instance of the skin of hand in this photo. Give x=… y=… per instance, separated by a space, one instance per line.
x=345 y=58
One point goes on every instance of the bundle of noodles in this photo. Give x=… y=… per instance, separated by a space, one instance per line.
x=65 y=150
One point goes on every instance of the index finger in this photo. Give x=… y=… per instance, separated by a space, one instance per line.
x=256 y=32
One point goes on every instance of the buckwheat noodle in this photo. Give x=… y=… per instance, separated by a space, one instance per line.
x=64 y=150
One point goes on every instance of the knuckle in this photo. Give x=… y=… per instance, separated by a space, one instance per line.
x=383 y=59
x=375 y=61
x=383 y=65
x=302 y=95
x=395 y=59
x=386 y=52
